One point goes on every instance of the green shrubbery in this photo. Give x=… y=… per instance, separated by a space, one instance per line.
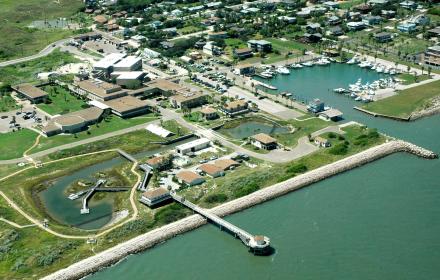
x=339 y=149
x=365 y=139
x=216 y=198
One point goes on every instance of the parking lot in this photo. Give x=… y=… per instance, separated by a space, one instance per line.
x=22 y=118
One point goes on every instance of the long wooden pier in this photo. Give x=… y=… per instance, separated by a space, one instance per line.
x=258 y=244
x=85 y=209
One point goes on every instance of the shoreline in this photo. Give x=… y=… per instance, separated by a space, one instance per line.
x=147 y=240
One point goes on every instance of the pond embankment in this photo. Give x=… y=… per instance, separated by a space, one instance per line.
x=149 y=239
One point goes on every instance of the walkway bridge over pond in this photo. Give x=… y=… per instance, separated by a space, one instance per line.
x=257 y=244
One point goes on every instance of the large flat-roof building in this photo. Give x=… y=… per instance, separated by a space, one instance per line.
x=31 y=93
x=106 y=63
x=193 y=146
x=128 y=106
x=99 y=90
x=129 y=63
x=130 y=80
x=73 y=122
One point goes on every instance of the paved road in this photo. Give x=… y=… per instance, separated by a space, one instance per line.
x=186 y=36
x=47 y=50
x=266 y=104
x=303 y=148
x=77 y=143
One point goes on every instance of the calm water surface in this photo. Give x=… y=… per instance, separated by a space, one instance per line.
x=380 y=221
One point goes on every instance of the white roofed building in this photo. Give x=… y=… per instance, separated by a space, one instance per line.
x=193 y=146
x=158 y=130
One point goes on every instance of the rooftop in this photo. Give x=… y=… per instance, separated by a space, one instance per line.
x=126 y=104
x=225 y=163
x=109 y=60
x=30 y=90
x=153 y=193
x=128 y=61
x=235 y=104
x=188 y=176
x=264 y=138
x=210 y=168
x=189 y=145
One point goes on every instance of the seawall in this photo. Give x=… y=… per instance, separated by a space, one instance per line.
x=152 y=238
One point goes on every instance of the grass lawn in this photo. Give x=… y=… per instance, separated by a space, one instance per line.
x=63 y=101
x=112 y=123
x=411 y=79
x=17 y=39
x=7 y=103
x=302 y=128
x=406 y=101
x=189 y=29
x=14 y=144
x=27 y=71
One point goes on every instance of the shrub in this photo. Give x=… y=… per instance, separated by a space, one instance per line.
x=297 y=168
x=339 y=149
x=246 y=189
x=332 y=135
x=216 y=198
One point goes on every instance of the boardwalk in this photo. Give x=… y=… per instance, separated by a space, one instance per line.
x=85 y=209
x=257 y=244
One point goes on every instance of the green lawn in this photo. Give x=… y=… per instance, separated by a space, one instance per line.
x=14 y=144
x=62 y=101
x=406 y=101
x=27 y=71
x=411 y=79
x=17 y=39
x=7 y=103
x=112 y=123
x=302 y=128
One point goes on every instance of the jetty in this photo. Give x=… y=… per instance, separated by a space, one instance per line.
x=257 y=244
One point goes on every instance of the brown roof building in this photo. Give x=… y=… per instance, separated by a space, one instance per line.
x=209 y=113
x=188 y=99
x=30 y=92
x=128 y=106
x=226 y=164
x=72 y=122
x=211 y=170
x=99 y=90
x=189 y=178
x=101 y=19
x=153 y=197
x=236 y=107
x=264 y=141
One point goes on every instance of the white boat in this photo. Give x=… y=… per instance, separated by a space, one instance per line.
x=365 y=64
x=296 y=66
x=308 y=63
x=380 y=69
x=283 y=70
x=339 y=90
x=322 y=61
x=353 y=60
x=358 y=98
x=266 y=75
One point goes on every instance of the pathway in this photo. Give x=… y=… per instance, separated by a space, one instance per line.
x=47 y=50
x=11 y=223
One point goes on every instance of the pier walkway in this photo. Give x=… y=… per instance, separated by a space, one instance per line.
x=143 y=185
x=85 y=209
x=126 y=155
x=257 y=244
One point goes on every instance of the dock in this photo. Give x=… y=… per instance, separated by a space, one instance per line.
x=257 y=244
x=143 y=185
x=127 y=155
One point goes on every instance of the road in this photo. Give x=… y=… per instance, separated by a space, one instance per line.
x=77 y=143
x=186 y=36
x=303 y=148
x=47 y=50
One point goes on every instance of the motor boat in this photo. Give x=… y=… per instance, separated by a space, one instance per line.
x=308 y=63
x=283 y=70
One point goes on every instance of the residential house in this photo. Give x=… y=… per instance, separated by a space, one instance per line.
x=260 y=45
x=211 y=170
x=242 y=53
x=264 y=141
x=356 y=25
x=236 y=107
x=335 y=31
x=372 y=20
x=209 y=113
x=432 y=56
x=407 y=27
x=410 y=5
x=334 y=20
x=312 y=38
x=435 y=32
x=383 y=37
x=226 y=164
x=313 y=27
